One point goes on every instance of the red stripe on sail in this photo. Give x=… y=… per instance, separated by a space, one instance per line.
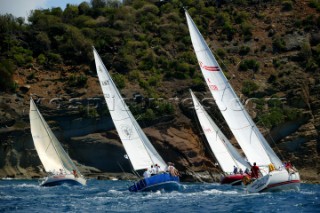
x=209 y=68
x=213 y=69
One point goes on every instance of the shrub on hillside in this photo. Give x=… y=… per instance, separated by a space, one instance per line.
x=244 y=50
x=119 y=80
x=6 y=73
x=77 y=80
x=287 y=5
x=249 y=87
x=249 y=64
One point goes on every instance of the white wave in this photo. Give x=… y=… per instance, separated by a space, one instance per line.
x=24 y=185
x=7 y=197
x=215 y=191
x=307 y=193
x=113 y=191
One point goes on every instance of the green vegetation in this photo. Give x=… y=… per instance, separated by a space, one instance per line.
x=287 y=5
x=244 y=50
x=6 y=73
x=279 y=45
x=249 y=64
x=148 y=43
x=77 y=80
x=249 y=87
x=315 y=4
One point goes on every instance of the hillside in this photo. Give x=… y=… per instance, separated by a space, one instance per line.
x=269 y=50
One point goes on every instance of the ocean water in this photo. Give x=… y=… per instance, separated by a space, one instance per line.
x=113 y=196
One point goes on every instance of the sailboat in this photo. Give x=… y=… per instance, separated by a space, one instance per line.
x=224 y=152
x=139 y=149
x=250 y=139
x=55 y=160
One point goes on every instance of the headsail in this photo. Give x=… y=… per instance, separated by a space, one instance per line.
x=49 y=149
x=139 y=149
x=225 y=153
x=254 y=145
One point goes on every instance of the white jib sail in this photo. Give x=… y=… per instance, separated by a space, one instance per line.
x=254 y=145
x=226 y=155
x=49 y=149
x=139 y=149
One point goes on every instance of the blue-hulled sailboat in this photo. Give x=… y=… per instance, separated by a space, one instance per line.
x=139 y=149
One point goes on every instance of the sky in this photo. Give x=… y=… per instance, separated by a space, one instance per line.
x=22 y=8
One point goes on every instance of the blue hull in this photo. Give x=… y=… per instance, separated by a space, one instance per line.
x=60 y=182
x=158 y=182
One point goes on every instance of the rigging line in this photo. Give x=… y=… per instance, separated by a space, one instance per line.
x=125 y=174
x=253 y=131
x=268 y=132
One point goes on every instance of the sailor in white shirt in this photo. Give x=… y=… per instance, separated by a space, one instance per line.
x=146 y=173
x=156 y=169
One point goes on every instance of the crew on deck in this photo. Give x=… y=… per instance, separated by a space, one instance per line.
x=172 y=170
x=255 y=170
x=235 y=170
x=146 y=173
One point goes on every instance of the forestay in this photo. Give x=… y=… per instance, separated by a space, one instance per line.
x=243 y=128
x=49 y=149
x=226 y=155
x=139 y=149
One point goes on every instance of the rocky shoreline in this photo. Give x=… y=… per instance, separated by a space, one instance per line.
x=307 y=176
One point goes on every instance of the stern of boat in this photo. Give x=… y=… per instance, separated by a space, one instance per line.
x=279 y=180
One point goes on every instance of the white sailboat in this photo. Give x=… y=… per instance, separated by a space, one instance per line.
x=139 y=149
x=226 y=155
x=55 y=160
x=253 y=144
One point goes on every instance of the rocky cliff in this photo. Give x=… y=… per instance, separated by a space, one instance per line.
x=92 y=142
x=274 y=48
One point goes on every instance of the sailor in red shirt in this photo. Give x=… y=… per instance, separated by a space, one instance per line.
x=255 y=171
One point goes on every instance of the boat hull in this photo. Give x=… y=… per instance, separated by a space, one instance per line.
x=158 y=182
x=276 y=181
x=233 y=179
x=56 y=180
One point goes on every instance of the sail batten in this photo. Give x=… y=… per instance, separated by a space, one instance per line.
x=141 y=152
x=254 y=145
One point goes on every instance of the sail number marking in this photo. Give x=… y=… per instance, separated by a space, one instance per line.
x=105 y=83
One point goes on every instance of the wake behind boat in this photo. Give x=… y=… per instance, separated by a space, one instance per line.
x=139 y=149
x=57 y=163
x=252 y=142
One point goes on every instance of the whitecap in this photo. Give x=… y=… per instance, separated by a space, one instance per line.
x=215 y=191
x=113 y=191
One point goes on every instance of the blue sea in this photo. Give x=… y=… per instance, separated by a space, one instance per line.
x=113 y=196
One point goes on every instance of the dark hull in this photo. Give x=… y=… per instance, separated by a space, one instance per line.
x=62 y=179
x=158 y=182
x=60 y=182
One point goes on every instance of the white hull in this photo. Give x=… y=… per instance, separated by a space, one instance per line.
x=275 y=181
x=55 y=180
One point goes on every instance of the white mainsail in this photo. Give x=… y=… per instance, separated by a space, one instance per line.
x=254 y=145
x=139 y=149
x=226 y=155
x=49 y=149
